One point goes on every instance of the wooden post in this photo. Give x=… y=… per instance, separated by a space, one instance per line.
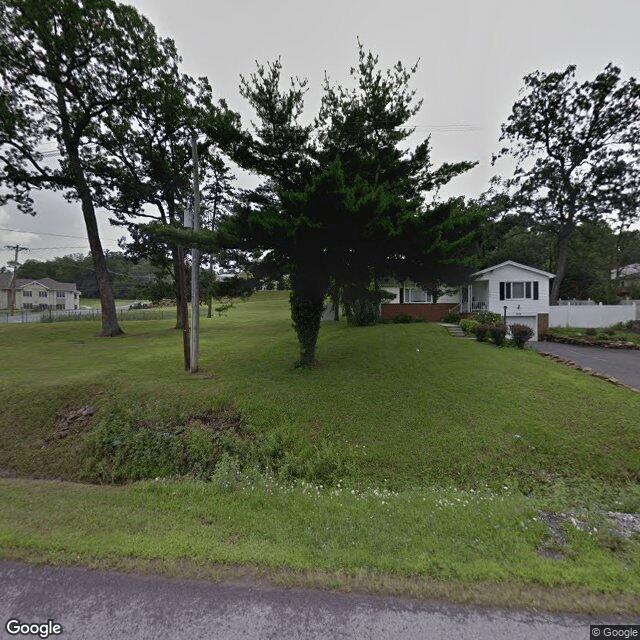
x=195 y=263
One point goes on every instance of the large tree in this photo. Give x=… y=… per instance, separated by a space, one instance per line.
x=69 y=69
x=575 y=147
x=399 y=234
x=342 y=202
x=146 y=170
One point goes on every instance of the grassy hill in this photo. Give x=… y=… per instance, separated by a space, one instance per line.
x=410 y=462
x=407 y=404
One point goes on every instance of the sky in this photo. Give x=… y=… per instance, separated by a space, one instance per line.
x=473 y=56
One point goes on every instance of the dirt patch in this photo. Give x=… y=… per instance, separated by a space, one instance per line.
x=68 y=423
x=223 y=419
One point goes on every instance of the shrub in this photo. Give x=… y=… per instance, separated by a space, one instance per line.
x=451 y=318
x=487 y=317
x=125 y=446
x=520 y=334
x=481 y=332
x=497 y=332
x=590 y=331
x=468 y=325
x=403 y=318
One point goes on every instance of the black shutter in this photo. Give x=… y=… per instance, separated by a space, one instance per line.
x=502 y=291
x=535 y=290
x=527 y=288
x=401 y=295
x=508 y=291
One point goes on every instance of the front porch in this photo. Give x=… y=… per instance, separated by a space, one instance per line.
x=474 y=297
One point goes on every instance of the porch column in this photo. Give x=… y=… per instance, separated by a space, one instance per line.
x=469 y=298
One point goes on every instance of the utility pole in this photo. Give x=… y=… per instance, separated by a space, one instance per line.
x=195 y=262
x=15 y=264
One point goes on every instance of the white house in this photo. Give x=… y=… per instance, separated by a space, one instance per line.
x=516 y=290
x=45 y=293
x=511 y=289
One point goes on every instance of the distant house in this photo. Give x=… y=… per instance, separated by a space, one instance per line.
x=628 y=276
x=511 y=289
x=44 y=293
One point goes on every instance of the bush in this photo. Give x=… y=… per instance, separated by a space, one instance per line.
x=497 y=332
x=468 y=325
x=124 y=446
x=487 y=317
x=451 y=318
x=590 y=331
x=520 y=334
x=403 y=318
x=481 y=332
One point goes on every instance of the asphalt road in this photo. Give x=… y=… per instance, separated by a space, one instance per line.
x=91 y=604
x=623 y=364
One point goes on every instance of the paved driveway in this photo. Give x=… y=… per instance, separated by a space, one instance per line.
x=623 y=364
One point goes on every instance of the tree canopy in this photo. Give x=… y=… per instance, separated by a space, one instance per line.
x=69 y=70
x=343 y=199
x=576 y=149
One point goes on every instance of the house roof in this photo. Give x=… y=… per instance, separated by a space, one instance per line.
x=47 y=283
x=629 y=271
x=511 y=263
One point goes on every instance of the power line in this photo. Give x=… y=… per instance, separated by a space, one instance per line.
x=58 y=235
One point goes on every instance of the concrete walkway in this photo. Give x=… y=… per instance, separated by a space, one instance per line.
x=622 y=364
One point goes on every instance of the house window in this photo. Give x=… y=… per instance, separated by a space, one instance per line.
x=42 y=294
x=60 y=306
x=27 y=294
x=27 y=305
x=519 y=290
x=416 y=295
x=60 y=294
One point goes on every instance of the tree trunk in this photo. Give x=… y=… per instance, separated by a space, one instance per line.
x=561 y=264
x=210 y=301
x=110 y=326
x=307 y=303
x=334 y=294
x=183 y=312
x=306 y=313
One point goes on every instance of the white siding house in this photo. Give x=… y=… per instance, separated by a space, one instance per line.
x=516 y=290
x=522 y=290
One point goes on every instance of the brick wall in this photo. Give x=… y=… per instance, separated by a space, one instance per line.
x=430 y=312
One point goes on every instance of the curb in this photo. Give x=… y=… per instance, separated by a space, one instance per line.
x=588 y=370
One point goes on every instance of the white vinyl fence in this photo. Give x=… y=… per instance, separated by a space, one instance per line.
x=594 y=315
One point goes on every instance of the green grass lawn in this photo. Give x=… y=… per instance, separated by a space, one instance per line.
x=441 y=455
x=95 y=303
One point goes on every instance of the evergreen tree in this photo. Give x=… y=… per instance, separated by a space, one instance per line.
x=347 y=205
